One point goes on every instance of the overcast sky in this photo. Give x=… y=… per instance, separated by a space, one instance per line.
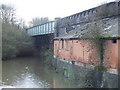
x=27 y=9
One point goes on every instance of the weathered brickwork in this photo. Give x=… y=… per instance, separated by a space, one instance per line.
x=85 y=52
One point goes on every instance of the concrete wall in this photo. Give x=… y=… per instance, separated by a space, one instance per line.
x=86 y=52
x=85 y=77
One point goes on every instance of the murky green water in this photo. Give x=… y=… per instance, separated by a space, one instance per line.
x=31 y=73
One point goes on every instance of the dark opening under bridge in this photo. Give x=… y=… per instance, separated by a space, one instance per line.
x=43 y=34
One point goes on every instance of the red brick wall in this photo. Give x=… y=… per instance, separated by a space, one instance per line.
x=86 y=52
x=111 y=54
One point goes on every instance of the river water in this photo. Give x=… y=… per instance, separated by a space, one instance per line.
x=31 y=73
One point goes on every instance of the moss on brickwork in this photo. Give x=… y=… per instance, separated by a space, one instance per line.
x=100 y=68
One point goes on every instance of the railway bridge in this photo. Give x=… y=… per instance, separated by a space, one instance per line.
x=42 y=34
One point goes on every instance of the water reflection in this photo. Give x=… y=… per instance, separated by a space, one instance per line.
x=30 y=81
x=31 y=73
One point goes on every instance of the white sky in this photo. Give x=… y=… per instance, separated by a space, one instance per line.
x=27 y=9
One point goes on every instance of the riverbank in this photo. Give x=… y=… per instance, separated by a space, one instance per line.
x=85 y=77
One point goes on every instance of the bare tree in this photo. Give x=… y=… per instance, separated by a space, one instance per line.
x=36 y=21
x=22 y=24
x=7 y=13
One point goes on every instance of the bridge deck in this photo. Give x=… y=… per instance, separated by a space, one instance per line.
x=46 y=28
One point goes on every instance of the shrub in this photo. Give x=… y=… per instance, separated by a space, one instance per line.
x=14 y=41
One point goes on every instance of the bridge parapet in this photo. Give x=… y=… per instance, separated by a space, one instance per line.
x=66 y=24
x=91 y=14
